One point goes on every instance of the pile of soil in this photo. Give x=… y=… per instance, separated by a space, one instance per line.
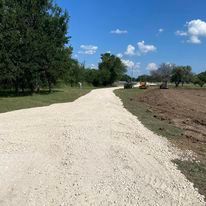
x=186 y=108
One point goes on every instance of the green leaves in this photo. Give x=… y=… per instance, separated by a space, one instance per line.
x=111 y=69
x=181 y=74
x=33 y=35
x=200 y=79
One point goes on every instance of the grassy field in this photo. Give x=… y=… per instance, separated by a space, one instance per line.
x=10 y=102
x=194 y=171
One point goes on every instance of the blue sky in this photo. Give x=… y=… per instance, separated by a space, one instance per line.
x=145 y=33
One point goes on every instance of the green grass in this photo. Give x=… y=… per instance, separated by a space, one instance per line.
x=147 y=117
x=9 y=102
x=195 y=172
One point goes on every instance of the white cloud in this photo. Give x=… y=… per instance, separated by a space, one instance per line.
x=119 y=31
x=93 y=66
x=88 y=49
x=130 y=64
x=196 y=29
x=75 y=56
x=152 y=67
x=181 y=33
x=144 y=49
x=194 y=40
x=130 y=50
x=120 y=55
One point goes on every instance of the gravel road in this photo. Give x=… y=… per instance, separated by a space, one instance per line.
x=88 y=152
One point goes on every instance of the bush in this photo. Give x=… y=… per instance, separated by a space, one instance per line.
x=198 y=81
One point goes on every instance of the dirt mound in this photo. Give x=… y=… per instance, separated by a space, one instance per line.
x=186 y=108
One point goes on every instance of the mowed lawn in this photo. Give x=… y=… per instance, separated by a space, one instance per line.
x=9 y=102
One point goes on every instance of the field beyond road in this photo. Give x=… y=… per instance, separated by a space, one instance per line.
x=186 y=108
x=10 y=102
x=88 y=152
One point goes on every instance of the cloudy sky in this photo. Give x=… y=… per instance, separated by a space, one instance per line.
x=143 y=33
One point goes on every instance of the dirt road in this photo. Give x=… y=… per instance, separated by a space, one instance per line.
x=89 y=152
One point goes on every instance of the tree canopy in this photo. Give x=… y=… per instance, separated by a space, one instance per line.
x=33 y=35
x=200 y=79
x=163 y=73
x=181 y=74
x=111 y=69
x=34 y=52
x=176 y=74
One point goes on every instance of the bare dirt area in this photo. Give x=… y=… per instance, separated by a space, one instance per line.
x=88 y=152
x=186 y=108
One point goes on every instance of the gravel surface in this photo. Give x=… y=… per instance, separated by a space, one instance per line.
x=89 y=152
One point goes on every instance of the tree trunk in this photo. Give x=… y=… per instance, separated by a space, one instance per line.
x=176 y=84
x=32 y=89
x=22 y=87
x=16 y=89
x=17 y=86
x=38 y=89
x=49 y=85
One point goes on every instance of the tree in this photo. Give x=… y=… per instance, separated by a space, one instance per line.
x=181 y=74
x=32 y=41
x=126 y=78
x=10 y=43
x=111 y=69
x=92 y=76
x=53 y=51
x=163 y=73
x=146 y=78
x=187 y=74
x=197 y=81
x=200 y=79
x=202 y=76
x=75 y=73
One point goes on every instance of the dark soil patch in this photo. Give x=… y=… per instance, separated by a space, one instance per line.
x=185 y=107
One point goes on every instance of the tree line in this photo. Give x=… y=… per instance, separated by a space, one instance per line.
x=110 y=70
x=175 y=74
x=33 y=35
x=33 y=51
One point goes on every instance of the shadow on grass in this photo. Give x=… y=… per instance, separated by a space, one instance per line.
x=5 y=93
